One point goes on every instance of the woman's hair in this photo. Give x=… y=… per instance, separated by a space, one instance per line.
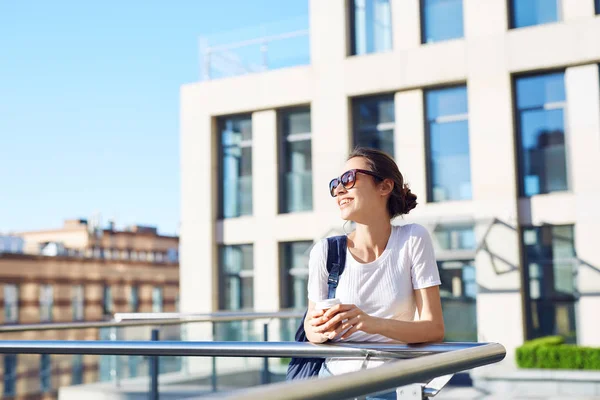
x=401 y=200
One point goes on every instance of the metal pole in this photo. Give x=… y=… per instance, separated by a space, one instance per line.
x=154 y=369
x=266 y=375
x=379 y=379
x=213 y=378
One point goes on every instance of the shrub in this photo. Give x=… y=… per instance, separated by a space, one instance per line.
x=551 y=353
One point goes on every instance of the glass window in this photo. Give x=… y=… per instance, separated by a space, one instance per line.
x=107 y=300
x=45 y=373
x=549 y=253
x=173 y=255
x=441 y=20
x=11 y=303
x=10 y=375
x=46 y=303
x=449 y=165
x=540 y=111
x=295 y=161
x=458 y=292
x=134 y=299
x=534 y=12
x=371 y=26
x=374 y=122
x=294 y=269
x=77 y=369
x=235 y=166
x=237 y=274
x=455 y=237
x=597 y=3
x=157 y=299
x=78 y=304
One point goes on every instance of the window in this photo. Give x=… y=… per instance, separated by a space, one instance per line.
x=77 y=369
x=157 y=299
x=173 y=255
x=295 y=161
x=448 y=161
x=294 y=270
x=46 y=303
x=235 y=166
x=597 y=3
x=78 y=304
x=458 y=292
x=551 y=268
x=541 y=105
x=134 y=299
x=11 y=303
x=237 y=274
x=441 y=20
x=374 y=121
x=455 y=237
x=107 y=300
x=533 y=12
x=371 y=26
x=45 y=373
x=10 y=375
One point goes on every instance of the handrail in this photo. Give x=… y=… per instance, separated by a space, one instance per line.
x=157 y=320
x=378 y=379
x=229 y=349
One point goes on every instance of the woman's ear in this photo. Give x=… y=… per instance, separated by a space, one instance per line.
x=386 y=187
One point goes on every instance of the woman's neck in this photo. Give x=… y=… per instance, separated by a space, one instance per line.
x=369 y=241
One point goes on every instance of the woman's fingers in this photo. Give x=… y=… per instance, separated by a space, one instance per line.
x=339 y=318
x=349 y=333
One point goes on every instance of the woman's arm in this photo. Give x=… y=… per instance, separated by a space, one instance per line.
x=429 y=327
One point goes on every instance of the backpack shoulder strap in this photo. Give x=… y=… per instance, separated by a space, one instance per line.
x=336 y=261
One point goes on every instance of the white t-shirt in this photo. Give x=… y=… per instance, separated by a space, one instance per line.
x=383 y=288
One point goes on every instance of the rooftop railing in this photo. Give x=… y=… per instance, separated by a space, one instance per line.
x=255 y=49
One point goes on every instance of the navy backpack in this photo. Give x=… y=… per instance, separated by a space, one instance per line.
x=302 y=368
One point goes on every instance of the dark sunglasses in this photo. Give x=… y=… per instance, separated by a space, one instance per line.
x=348 y=178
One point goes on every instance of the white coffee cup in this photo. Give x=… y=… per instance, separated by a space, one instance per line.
x=327 y=304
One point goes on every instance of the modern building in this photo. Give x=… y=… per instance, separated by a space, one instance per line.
x=79 y=274
x=491 y=109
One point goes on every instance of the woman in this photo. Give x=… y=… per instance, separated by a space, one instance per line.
x=389 y=287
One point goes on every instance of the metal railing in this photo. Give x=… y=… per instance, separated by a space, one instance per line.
x=404 y=375
x=124 y=320
x=420 y=363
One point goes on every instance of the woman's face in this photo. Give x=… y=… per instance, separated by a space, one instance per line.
x=364 y=198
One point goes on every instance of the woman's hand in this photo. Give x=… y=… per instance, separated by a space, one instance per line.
x=343 y=318
x=314 y=321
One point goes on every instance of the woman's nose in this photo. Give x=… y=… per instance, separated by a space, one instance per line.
x=339 y=189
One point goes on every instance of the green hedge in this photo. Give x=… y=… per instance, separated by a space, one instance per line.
x=551 y=353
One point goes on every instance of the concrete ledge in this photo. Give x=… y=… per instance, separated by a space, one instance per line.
x=541 y=382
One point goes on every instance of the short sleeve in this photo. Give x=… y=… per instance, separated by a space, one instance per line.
x=317 y=272
x=424 y=269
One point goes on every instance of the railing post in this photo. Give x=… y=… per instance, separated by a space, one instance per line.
x=154 y=369
x=213 y=378
x=266 y=375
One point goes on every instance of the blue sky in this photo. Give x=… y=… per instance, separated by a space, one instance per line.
x=89 y=103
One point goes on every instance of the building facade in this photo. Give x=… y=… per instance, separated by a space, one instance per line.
x=76 y=274
x=491 y=109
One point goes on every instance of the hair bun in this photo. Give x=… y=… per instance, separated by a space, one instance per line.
x=410 y=199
